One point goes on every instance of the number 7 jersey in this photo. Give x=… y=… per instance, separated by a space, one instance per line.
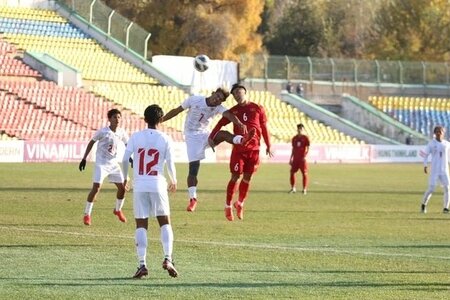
x=199 y=115
x=151 y=150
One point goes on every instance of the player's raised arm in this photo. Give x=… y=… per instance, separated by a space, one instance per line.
x=172 y=113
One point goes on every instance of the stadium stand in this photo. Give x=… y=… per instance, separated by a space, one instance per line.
x=113 y=82
x=419 y=113
x=283 y=119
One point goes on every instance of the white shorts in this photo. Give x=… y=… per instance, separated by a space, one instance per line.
x=196 y=145
x=442 y=178
x=112 y=171
x=150 y=204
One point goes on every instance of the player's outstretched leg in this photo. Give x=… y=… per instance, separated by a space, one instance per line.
x=248 y=137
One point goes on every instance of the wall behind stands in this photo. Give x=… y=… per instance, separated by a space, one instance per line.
x=181 y=68
x=44 y=4
x=36 y=151
x=331 y=92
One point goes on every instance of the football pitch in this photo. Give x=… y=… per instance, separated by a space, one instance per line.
x=357 y=234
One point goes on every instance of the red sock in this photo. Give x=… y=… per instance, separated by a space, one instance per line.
x=292 y=179
x=243 y=190
x=231 y=189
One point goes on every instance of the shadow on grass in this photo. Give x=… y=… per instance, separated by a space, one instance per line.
x=148 y=283
x=108 y=187
x=52 y=246
x=52 y=225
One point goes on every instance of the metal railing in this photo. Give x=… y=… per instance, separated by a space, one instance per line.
x=98 y=14
x=344 y=70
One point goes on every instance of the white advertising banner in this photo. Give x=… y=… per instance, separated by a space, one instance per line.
x=35 y=151
x=400 y=153
x=11 y=151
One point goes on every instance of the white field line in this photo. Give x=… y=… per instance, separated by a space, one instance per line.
x=237 y=245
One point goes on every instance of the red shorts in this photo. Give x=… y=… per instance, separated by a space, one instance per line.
x=301 y=165
x=244 y=162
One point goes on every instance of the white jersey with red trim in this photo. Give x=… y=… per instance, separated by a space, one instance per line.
x=108 y=142
x=199 y=115
x=151 y=150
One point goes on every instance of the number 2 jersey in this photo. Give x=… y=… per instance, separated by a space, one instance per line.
x=151 y=150
x=108 y=142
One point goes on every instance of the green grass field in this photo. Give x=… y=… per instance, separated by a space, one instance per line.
x=357 y=234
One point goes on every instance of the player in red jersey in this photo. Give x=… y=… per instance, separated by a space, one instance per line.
x=244 y=157
x=300 y=148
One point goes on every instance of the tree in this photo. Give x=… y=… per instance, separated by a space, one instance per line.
x=297 y=32
x=412 y=30
x=220 y=28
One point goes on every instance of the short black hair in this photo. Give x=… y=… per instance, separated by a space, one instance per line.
x=300 y=126
x=237 y=86
x=153 y=114
x=113 y=112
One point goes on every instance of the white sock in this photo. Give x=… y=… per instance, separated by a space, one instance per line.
x=88 y=208
x=119 y=204
x=192 y=192
x=141 y=245
x=446 y=197
x=237 y=139
x=427 y=195
x=167 y=240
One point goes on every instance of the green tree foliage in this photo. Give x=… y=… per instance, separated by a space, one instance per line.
x=298 y=31
x=220 y=28
x=366 y=29
x=412 y=30
x=320 y=28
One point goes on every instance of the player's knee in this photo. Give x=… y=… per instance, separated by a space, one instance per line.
x=194 y=167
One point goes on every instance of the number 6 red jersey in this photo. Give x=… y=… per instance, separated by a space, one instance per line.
x=253 y=116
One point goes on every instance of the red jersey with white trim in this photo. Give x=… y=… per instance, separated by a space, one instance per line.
x=299 y=144
x=253 y=116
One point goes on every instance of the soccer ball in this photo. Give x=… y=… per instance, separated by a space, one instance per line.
x=201 y=62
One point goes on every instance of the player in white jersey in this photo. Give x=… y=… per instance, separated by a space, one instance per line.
x=196 y=132
x=151 y=150
x=106 y=164
x=439 y=149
